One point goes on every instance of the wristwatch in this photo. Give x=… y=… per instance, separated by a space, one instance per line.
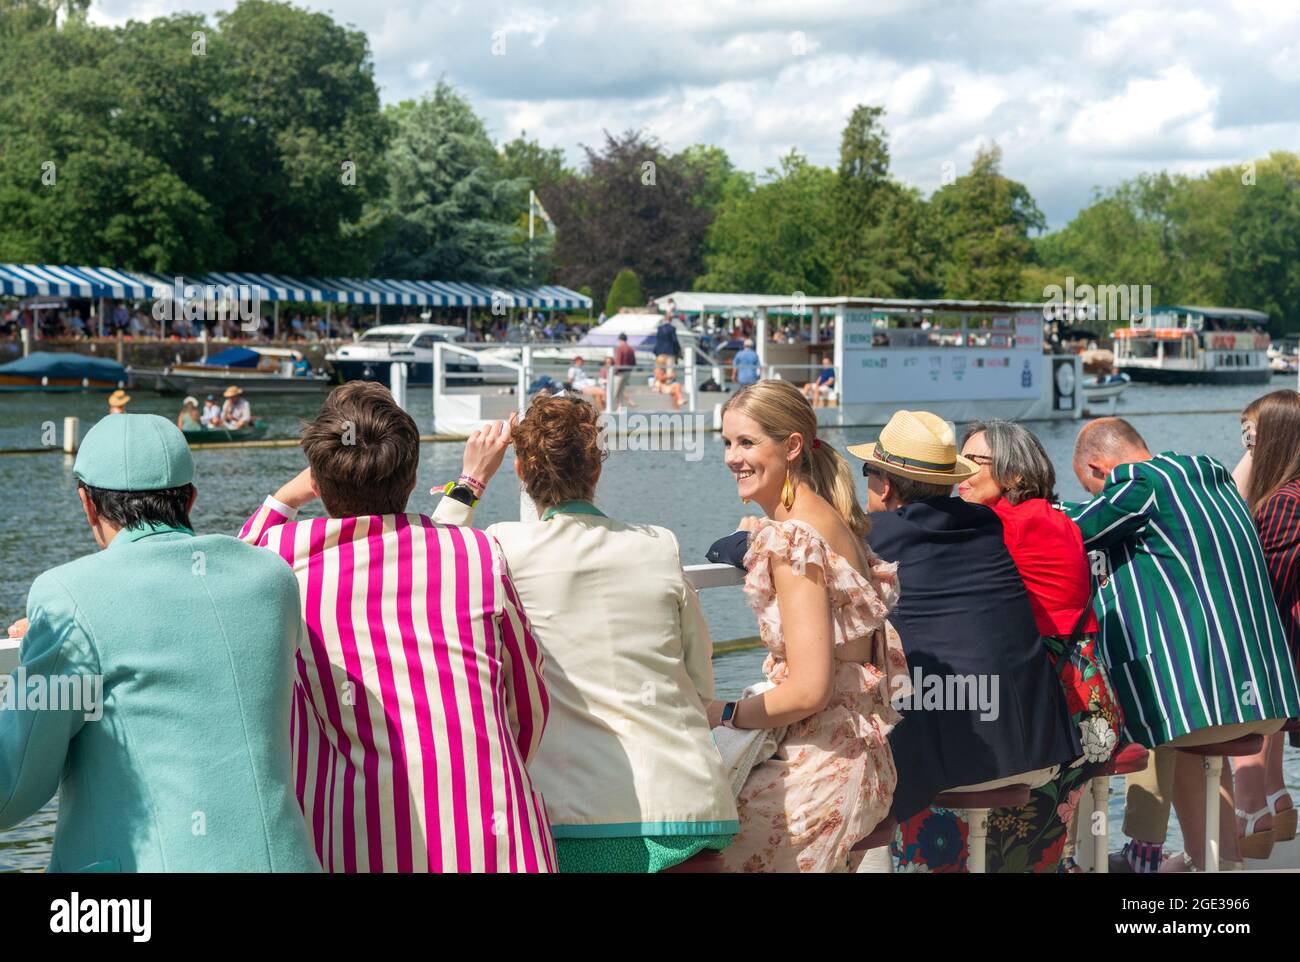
x=729 y=714
x=461 y=492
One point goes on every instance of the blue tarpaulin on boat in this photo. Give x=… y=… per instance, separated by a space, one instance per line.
x=234 y=357
x=54 y=365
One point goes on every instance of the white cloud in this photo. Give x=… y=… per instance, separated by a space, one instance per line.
x=1078 y=93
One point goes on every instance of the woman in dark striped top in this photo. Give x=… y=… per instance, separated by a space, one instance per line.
x=1266 y=811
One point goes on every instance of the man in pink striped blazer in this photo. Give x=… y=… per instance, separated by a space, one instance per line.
x=419 y=698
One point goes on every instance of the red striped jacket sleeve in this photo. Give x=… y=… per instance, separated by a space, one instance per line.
x=1278 y=522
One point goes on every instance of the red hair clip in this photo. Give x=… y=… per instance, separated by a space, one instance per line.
x=817 y=442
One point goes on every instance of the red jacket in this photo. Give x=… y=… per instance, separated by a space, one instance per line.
x=1047 y=547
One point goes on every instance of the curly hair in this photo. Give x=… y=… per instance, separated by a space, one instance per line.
x=559 y=447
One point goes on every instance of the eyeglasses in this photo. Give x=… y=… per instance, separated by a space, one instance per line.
x=983 y=460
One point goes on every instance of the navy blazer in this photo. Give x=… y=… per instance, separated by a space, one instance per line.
x=963 y=611
x=666 y=341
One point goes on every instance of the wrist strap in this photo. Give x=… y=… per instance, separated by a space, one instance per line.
x=473 y=482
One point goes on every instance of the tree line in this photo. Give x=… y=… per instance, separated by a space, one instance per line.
x=256 y=140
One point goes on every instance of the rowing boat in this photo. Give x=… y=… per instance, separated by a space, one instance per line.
x=254 y=432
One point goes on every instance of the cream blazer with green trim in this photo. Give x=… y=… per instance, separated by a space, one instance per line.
x=628 y=666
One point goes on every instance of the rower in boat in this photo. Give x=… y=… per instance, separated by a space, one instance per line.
x=117 y=402
x=235 y=413
x=189 y=418
x=211 y=417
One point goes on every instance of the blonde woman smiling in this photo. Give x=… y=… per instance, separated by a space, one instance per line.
x=821 y=598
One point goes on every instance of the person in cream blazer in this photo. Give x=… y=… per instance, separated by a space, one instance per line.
x=627 y=767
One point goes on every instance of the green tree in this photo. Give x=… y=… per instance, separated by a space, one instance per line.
x=632 y=206
x=984 y=220
x=776 y=239
x=624 y=292
x=450 y=212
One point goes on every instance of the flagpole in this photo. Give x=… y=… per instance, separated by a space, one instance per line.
x=532 y=206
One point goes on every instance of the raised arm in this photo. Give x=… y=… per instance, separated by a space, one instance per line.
x=1119 y=511
x=280 y=508
x=34 y=738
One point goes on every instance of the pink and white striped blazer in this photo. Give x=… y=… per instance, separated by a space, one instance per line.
x=419 y=698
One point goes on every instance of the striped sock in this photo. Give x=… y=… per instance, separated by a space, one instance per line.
x=1144 y=857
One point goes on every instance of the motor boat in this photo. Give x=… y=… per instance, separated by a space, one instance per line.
x=257 y=370
x=369 y=358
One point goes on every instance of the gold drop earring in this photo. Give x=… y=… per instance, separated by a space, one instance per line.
x=787 y=490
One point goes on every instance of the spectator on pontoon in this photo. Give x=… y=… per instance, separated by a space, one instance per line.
x=624 y=365
x=1265 y=810
x=819 y=391
x=1174 y=632
x=1016 y=479
x=744 y=366
x=821 y=596
x=667 y=348
x=582 y=382
x=630 y=774
x=420 y=703
x=171 y=751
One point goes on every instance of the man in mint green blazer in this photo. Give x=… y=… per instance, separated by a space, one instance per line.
x=154 y=689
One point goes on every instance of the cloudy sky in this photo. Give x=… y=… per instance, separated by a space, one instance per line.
x=1078 y=93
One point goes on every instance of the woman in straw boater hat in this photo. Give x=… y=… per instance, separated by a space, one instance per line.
x=117 y=402
x=821 y=597
x=986 y=708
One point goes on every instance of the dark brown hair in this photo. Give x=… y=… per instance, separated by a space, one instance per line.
x=364 y=451
x=558 y=448
x=1275 y=460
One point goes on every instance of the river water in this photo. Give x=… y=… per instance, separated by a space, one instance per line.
x=42 y=525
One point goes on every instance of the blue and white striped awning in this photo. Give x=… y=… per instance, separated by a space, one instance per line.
x=26 y=280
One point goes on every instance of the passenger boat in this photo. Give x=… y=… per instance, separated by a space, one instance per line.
x=254 y=432
x=257 y=370
x=370 y=357
x=1176 y=344
x=62 y=372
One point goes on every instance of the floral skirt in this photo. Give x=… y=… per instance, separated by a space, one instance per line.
x=1033 y=837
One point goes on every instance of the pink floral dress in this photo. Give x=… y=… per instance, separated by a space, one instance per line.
x=832 y=779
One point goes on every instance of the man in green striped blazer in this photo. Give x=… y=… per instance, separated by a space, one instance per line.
x=1189 y=629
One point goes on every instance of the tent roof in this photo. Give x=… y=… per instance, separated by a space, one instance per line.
x=25 y=280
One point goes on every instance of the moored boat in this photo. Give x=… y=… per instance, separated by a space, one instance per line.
x=259 y=370
x=254 y=432
x=1176 y=344
x=371 y=357
x=62 y=372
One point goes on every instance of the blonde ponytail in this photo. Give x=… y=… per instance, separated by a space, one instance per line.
x=830 y=475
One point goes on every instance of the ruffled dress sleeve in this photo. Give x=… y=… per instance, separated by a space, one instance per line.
x=859 y=605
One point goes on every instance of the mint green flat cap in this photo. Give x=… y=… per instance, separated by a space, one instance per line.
x=134 y=452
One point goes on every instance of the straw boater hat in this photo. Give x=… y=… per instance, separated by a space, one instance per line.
x=917 y=445
x=118 y=398
x=233 y=391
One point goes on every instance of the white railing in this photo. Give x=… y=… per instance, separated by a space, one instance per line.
x=9 y=654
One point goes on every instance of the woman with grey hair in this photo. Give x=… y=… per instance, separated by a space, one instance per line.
x=1016 y=479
